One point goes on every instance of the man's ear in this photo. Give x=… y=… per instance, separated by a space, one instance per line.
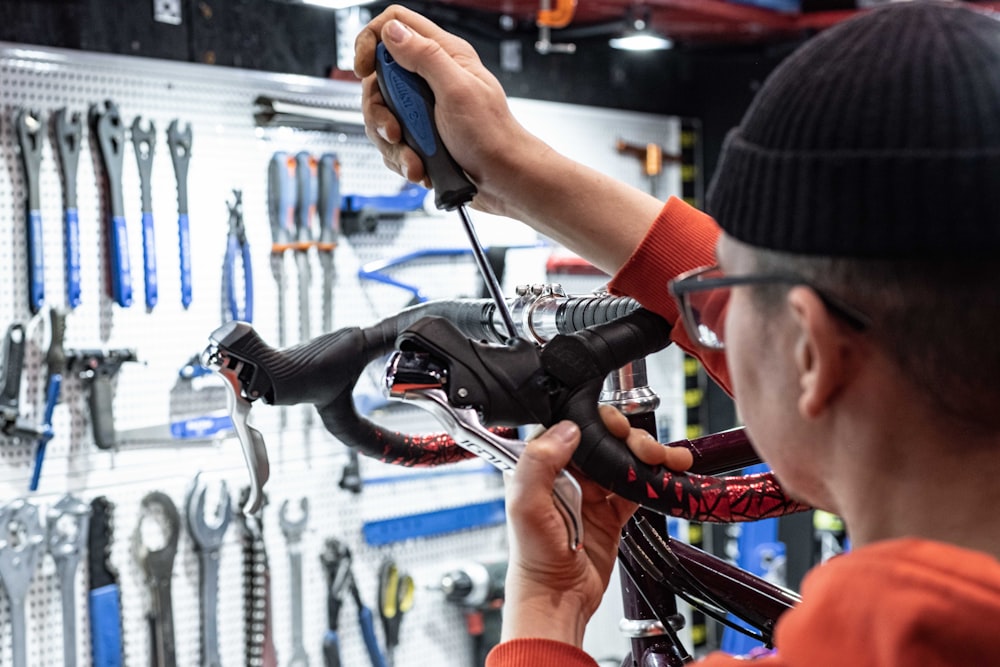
x=820 y=351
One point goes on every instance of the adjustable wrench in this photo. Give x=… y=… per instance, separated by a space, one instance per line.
x=66 y=533
x=144 y=144
x=208 y=543
x=21 y=544
x=158 y=565
x=68 y=130
x=106 y=124
x=179 y=142
x=292 y=531
x=30 y=136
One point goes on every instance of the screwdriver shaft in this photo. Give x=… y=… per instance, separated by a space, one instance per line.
x=486 y=270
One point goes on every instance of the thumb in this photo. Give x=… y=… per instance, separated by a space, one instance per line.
x=429 y=56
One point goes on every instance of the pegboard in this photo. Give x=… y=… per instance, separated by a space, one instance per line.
x=230 y=151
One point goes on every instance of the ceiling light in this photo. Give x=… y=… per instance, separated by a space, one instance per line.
x=640 y=37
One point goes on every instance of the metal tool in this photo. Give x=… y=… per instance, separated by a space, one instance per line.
x=292 y=530
x=157 y=563
x=104 y=601
x=305 y=206
x=328 y=211
x=179 y=142
x=30 y=137
x=337 y=559
x=144 y=144
x=410 y=98
x=55 y=360
x=395 y=599
x=106 y=125
x=260 y=651
x=237 y=254
x=97 y=369
x=66 y=535
x=11 y=368
x=208 y=543
x=68 y=131
x=281 y=192
x=251 y=440
x=21 y=545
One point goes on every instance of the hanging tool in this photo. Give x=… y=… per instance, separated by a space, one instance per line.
x=157 y=563
x=97 y=370
x=68 y=129
x=478 y=588
x=305 y=206
x=259 y=643
x=395 y=598
x=360 y=214
x=21 y=545
x=55 y=360
x=292 y=530
x=410 y=98
x=652 y=157
x=208 y=543
x=179 y=142
x=237 y=253
x=106 y=126
x=11 y=367
x=30 y=137
x=328 y=210
x=104 y=597
x=336 y=559
x=144 y=144
x=66 y=534
x=281 y=189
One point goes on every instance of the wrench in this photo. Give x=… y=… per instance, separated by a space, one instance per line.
x=68 y=130
x=208 y=543
x=180 y=153
x=158 y=565
x=66 y=533
x=21 y=538
x=107 y=126
x=30 y=134
x=144 y=144
x=293 y=537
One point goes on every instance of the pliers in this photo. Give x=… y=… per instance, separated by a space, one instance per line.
x=336 y=559
x=237 y=250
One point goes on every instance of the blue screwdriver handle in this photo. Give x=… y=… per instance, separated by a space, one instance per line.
x=149 y=260
x=51 y=398
x=121 y=269
x=367 y=623
x=71 y=221
x=411 y=100
x=36 y=261
x=184 y=236
x=105 y=626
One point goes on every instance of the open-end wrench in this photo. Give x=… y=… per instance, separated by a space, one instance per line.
x=30 y=135
x=179 y=142
x=292 y=530
x=66 y=534
x=144 y=143
x=21 y=545
x=158 y=566
x=68 y=130
x=208 y=543
x=106 y=124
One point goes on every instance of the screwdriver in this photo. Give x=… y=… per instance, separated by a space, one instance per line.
x=412 y=102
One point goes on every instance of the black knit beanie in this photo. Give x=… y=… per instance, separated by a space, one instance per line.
x=879 y=137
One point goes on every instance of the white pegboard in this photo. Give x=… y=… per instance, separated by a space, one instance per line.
x=229 y=151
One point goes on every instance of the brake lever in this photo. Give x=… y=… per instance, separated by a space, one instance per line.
x=414 y=377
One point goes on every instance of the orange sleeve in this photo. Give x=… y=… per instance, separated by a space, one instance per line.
x=534 y=652
x=680 y=239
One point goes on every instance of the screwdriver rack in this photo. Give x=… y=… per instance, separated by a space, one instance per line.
x=229 y=151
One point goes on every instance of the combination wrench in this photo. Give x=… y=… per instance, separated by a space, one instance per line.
x=208 y=543
x=66 y=534
x=158 y=565
x=292 y=531
x=21 y=544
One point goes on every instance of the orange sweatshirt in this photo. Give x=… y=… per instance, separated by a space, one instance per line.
x=897 y=603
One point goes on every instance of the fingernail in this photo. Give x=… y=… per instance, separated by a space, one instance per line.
x=396 y=31
x=382 y=133
x=564 y=431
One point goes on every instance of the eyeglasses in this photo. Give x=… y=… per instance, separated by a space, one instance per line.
x=703 y=297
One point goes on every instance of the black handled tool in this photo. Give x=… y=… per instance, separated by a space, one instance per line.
x=97 y=369
x=410 y=98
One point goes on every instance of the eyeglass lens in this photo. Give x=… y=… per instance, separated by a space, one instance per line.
x=706 y=310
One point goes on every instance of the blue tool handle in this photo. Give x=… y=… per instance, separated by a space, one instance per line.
x=328 y=199
x=367 y=624
x=410 y=198
x=331 y=649
x=72 y=231
x=105 y=626
x=36 y=261
x=149 y=260
x=184 y=235
x=121 y=269
x=51 y=398
x=247 y=285
x=410 y=98
x=281 y=190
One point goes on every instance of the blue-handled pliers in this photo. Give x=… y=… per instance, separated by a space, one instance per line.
x=237 y=251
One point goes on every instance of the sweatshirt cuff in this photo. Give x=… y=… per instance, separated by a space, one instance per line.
x=533 y=652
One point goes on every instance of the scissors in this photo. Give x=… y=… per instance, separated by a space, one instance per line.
x=237 y=250
x=395 y=598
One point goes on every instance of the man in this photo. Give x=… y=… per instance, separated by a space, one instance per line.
x=852 y=314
